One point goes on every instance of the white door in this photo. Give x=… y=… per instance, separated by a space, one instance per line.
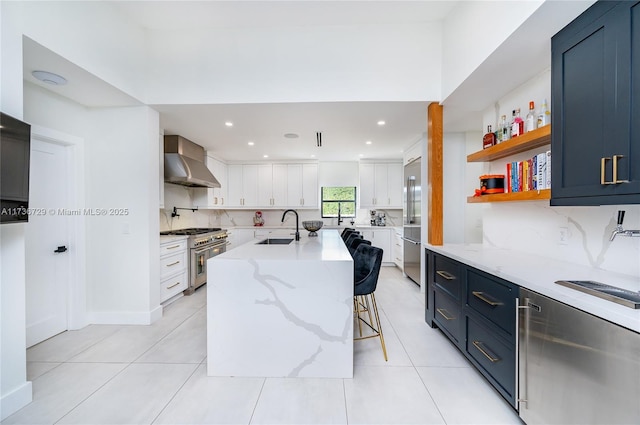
x=47 y=271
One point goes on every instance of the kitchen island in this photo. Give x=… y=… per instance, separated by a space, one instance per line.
x=281 y=310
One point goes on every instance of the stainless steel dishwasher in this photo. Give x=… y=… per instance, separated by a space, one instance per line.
x=575 y=368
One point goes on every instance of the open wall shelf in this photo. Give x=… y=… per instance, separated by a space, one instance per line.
x=531 y=140
x=529 y=195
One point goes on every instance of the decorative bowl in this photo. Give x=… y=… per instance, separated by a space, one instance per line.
x=312 y=226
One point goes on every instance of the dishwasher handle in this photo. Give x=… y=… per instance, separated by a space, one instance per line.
x=411 y=240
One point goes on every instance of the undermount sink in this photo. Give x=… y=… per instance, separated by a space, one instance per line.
x=276 y=241
x=617 y=295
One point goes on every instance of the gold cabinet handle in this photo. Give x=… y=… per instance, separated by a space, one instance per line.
x=615 y=170
x=487 y=353
x=173 y=247
x=446 y=275
x=443 y=313
x=485 y=298
x=603 y=163
x=175 y=284
x=173 y=264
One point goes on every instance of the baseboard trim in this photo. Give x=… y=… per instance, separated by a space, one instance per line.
x=125 y=317
x=15 y=400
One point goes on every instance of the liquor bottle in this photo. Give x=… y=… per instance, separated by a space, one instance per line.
x=544 y=116
x=489 y=139
x=531 y=122
x=517 y=126
x=506 y=130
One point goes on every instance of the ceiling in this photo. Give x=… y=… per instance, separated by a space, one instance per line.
x=346 y=127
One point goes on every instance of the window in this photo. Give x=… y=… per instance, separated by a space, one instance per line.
x=338 y=200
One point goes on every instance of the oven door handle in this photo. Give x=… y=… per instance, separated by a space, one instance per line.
x=200 y=251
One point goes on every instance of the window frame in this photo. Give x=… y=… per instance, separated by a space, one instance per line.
x=339 y=201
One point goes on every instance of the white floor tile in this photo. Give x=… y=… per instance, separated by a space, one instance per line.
x=369 y=351
x=62 y=347
x=425 y=346
x=301 y=401
x=135 y=396
x=123 y=346
x=389 y=395
x=212 y=400
x=185 y=344
x=57 y=392
x=37 y=369
x=463 y=396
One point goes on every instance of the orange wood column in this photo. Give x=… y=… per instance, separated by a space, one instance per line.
x=434 y=173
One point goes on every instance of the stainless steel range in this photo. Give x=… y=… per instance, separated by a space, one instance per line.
x=203 y=243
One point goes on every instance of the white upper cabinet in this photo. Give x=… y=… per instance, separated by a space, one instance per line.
x=302 y=185
x=279 y=185
x=381 y=185
x=243 y=185
x=213 y=197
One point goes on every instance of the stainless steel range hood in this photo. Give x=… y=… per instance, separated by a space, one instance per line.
x=184 y=163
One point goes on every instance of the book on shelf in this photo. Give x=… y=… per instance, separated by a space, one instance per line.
x=529 y=174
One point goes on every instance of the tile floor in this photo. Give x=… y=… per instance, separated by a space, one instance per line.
x=157 y=375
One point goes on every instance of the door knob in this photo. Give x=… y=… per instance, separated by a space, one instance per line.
x=61 y=249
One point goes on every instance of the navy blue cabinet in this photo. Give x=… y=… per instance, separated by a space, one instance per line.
x=595 y=106
x=477 y=312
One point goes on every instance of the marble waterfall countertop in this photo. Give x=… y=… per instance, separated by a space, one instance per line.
x=281 y=310
x=539 y=274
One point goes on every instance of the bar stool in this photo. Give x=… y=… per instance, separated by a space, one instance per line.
x=347 y=232
x=346 y=229
x=367 y=261
x=354 y=245
x=351 y=237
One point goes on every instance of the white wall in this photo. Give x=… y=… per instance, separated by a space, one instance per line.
x=462 y=223
x=473 y=30
x=296 y=64
x=122 y=258
x=15 y=390
x=92 y=35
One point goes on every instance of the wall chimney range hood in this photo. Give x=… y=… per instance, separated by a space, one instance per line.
x=184 y=163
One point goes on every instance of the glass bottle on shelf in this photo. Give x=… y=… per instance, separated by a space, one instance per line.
x=489 y=139
x=531 y=122
x=544 y=116
x=506 y=130
x=517 y=126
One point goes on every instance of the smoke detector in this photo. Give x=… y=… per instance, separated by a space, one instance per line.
x=49 y=78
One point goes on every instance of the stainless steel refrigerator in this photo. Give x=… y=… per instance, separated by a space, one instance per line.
x=412 y=197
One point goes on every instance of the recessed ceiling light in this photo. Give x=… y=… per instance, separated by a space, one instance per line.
x=368 y=142
x=381 y=122
x=265 y=156
x=49 y=78
x=250 y=143
x=313 y=156
x=361 y=154
x=291 y=136
x=228 y=124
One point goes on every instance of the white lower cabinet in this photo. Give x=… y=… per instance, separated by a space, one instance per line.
x=174 y=270
x=398 y=248
x=381 y=238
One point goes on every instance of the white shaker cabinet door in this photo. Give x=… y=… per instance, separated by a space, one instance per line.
x=367 y=186
x=310 y=192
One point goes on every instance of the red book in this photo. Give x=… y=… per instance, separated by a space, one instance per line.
x=508 y=177
x=519 y=176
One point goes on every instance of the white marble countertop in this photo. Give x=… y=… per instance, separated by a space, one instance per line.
x=327 y=246
x=539 y=275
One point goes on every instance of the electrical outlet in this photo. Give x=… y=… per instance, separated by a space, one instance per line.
x=563 y=236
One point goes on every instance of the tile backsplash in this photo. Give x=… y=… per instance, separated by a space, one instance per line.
x=575 y=234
